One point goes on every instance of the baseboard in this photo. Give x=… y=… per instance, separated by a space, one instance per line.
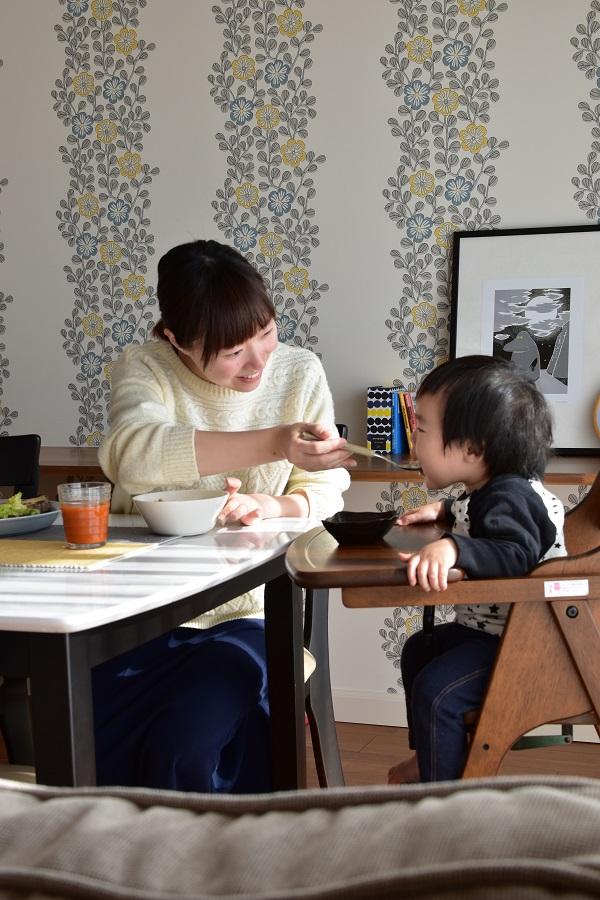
x=369 y=707
x=377 y=708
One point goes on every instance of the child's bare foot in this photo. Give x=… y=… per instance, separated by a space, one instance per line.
x=406 y=772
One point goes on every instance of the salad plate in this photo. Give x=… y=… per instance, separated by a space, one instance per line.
x=28 y=524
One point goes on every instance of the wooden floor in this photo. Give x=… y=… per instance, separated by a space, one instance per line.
x=368 y=751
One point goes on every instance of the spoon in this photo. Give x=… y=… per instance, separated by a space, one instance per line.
x=359 y=450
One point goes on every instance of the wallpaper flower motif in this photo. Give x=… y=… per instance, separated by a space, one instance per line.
x=261 y=84
x=7 y=416
x=440 y=67
x=104 y=217
x=587 y=57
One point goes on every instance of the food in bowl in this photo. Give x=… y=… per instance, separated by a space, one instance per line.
x=183 y=512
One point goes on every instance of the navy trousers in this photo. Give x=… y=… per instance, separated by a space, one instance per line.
x=444 y=676
x=187 y=711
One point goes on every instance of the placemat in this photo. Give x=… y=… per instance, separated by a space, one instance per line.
x=15 y=553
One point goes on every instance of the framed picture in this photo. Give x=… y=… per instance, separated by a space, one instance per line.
x=532 y=296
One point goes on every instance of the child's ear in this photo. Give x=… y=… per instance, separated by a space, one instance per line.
x=471 y=453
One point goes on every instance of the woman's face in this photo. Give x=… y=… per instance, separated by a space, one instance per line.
x=239 y=368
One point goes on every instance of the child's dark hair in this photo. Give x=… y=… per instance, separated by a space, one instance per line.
x=209 y=292
x=497 y=409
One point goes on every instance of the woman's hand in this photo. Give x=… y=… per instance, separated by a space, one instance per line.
x=243 y=508
x=429 y=566
x=248 y=508
x=431 y=512
x=314 y=447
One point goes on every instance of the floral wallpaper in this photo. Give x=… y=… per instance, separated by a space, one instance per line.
x=440 y=66
x=587 y=57
x=7 y=416
x=104 y=216
x=261 y=83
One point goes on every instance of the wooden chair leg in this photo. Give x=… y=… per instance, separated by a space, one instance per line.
x=318 y=703
x=534 y=681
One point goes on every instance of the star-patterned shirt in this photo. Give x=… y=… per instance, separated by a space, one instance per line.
x=503 y=530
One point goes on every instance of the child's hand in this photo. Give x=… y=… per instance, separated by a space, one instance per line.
x=429 y=566
x=431 y=512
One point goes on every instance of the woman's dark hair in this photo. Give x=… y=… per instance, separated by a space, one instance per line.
x=496 y=408
x=209 y=292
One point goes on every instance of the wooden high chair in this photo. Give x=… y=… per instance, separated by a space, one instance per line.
x=548 y=663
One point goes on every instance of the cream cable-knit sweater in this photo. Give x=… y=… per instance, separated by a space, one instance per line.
x=157 y=403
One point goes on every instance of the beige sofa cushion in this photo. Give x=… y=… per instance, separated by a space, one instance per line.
x=507 y=837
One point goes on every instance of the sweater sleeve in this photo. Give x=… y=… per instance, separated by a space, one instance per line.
x=323 y=489
x=146 y=448
x=509 y=532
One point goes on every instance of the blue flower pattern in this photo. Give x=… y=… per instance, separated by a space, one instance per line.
x=440 y=67
x=416 y=94
x=276 y=73
x=262 y=84
x=104 y=217
x=280 y=201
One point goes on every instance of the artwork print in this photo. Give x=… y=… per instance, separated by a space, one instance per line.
x=529 y=322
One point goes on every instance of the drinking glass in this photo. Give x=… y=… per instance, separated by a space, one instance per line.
x=85 y=507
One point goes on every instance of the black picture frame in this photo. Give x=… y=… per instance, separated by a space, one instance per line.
x=533 y=295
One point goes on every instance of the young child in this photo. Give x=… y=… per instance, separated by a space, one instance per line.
x=482 y=423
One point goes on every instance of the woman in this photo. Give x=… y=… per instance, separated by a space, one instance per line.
x=216 y=401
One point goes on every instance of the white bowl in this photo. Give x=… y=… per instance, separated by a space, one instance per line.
x=180 y=512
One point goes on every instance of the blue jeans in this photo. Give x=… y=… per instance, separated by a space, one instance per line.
x=444 y=676
x=187 y=711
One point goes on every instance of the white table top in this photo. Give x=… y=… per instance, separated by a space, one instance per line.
x=65 y=602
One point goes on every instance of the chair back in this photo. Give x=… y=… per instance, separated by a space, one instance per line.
x=582 y=523
x=20 y=463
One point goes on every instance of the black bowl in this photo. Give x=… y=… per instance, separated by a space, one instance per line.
x=359 y=527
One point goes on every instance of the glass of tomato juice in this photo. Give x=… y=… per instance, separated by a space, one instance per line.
x=85 y=507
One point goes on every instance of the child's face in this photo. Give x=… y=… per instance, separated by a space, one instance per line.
x=443 y=466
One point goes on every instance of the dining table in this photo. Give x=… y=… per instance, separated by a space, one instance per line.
x=56 y=625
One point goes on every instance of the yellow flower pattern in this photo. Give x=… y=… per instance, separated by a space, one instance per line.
x=443 y=234
x=271 y=244
x=126 y=41
x=88 y=205
x=424 y=315
x=110 y=253
x=129 y=164
x=293 y=152
x=83 y=84
x=471 y=7
x=104 y=218
x=92 y=325
x=419 y=49
x=134 y=286
x=296 y=280
x=268 y=117
x=473 y=138
x=445 y=102
x=243 y=67
x=247 y=195
x=102 y=9
x=413 y=497
x=290 y=22
x=421 y=183
x=106 y=131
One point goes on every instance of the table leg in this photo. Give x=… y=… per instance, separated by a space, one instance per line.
x=285 y=667
x=61 y=708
